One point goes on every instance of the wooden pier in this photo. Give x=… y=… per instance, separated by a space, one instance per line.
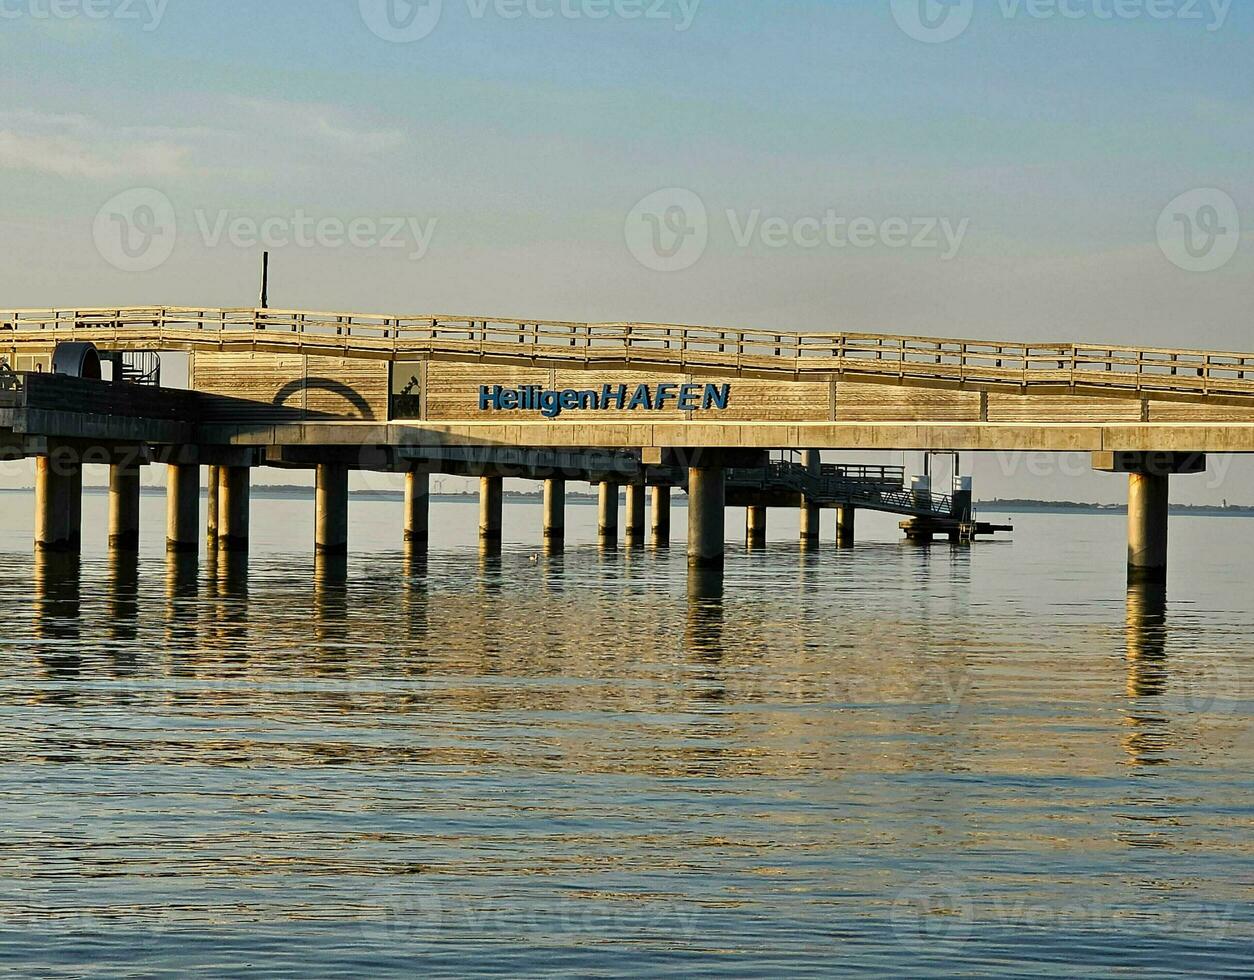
x=651 y=408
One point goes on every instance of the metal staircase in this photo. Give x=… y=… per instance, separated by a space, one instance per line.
x=136 y=367
x=879 y=488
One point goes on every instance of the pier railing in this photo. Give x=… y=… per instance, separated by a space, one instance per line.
x=906 y=359
x=879 y=488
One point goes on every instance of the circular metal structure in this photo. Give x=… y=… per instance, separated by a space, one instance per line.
x=77 y=360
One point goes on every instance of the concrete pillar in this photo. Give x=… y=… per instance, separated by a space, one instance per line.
x=811 y=522
x=124 y=507
x=233 y=508
x=607 y=516
x=635 y=514
x=707 y=500
x=554 y=511
x=331 y=510
x=845 y=524
x=811 y=516
x=662 y=517
x=211 y=520
x=182 y=509
x=417 y=508
x=491 y=504
x=58 y=503
x=1148 y=498
x=755 y=527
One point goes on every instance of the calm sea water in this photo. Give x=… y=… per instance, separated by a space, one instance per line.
x=889 y=760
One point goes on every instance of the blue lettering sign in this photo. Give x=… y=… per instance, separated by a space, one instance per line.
x=550 y=403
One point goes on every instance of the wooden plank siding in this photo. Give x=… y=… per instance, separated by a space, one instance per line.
x=281 y=385
x=859 y=402
x=1061 y=408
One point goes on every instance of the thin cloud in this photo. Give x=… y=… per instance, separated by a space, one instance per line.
x=326 y=124
x=75 y=146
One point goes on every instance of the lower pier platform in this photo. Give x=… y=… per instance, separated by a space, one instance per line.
x=922 y=530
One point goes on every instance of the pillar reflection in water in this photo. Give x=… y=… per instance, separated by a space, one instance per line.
x=331 y=604
x=415 y=596
x=231 y=592
x=57 y=595
x=1146 y=636
x=182 y=592
x=124 y=594
x=490 y=567
x=554 y=578
x=704 y=633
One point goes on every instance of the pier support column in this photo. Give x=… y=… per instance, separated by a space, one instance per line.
x=811 y=522
x=59 y=503
x=755 y=527
x=417 y=508
x=1148 y=500
x=1149 y=495
x=233 y=507
x=182 y=509
x=331 y=510
x=211 y=521
x=707 y=502
x=845 y=524
x=491 y=505
x=607 y=514
x=124 y=507
x=635 y=514
x=555 y=512
x=661 y=517
x=811 y=516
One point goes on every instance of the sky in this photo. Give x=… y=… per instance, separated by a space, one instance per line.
x=1050 y=170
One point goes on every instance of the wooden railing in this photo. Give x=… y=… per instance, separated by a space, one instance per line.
x=908 y=359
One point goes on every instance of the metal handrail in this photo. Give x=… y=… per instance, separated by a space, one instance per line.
x=826 y=487
x=798 y=356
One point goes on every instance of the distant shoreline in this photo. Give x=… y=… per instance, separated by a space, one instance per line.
x=986 y=507
x=1069 y=507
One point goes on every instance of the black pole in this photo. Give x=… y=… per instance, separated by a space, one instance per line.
x=265 y=280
